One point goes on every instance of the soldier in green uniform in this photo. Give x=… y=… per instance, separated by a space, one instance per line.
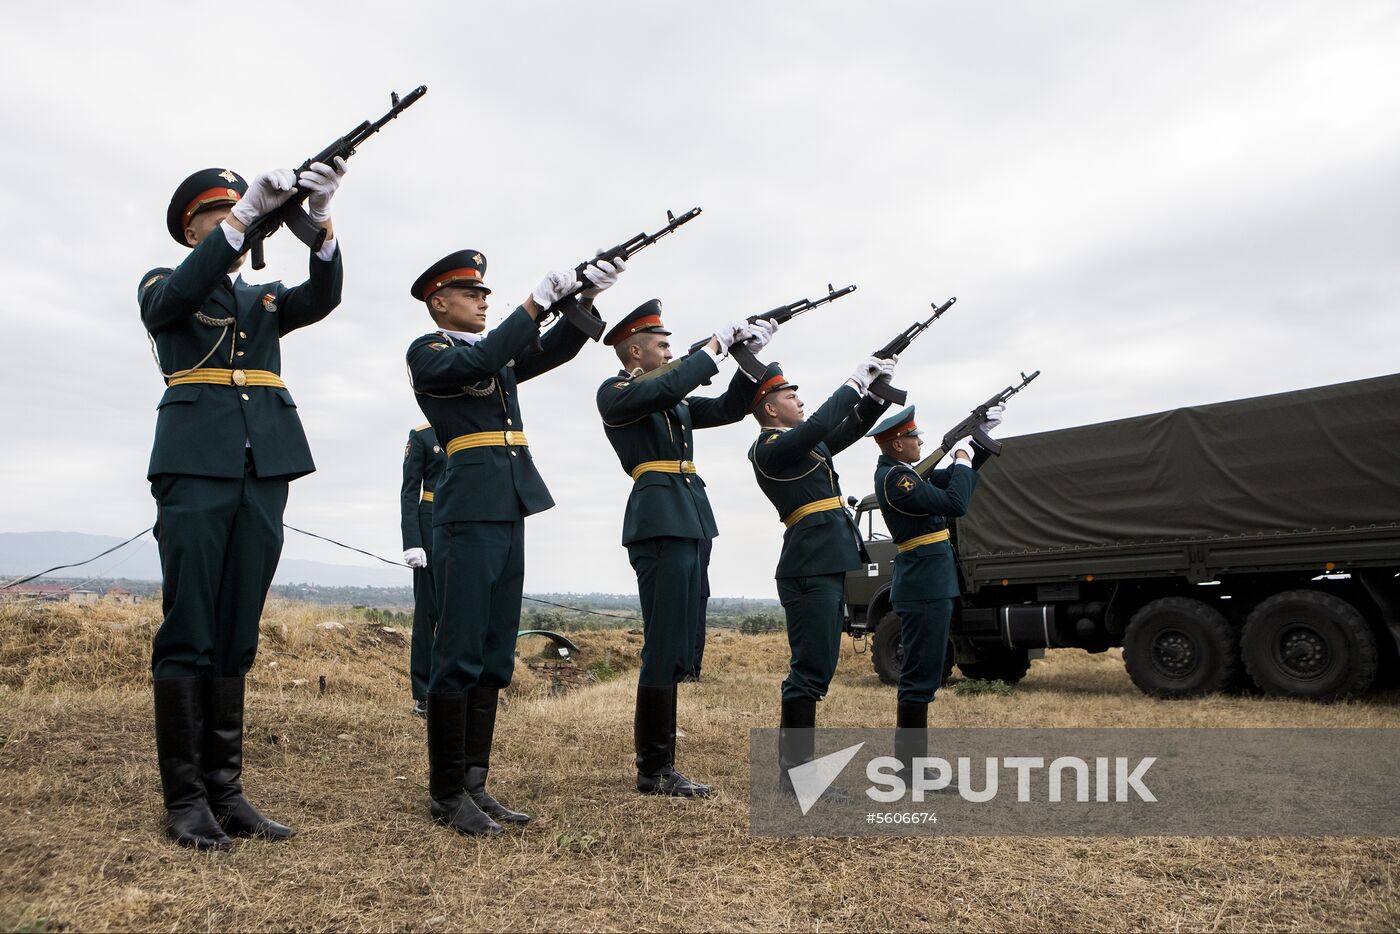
x=465 y=381
x=227 y=443
x=649 y=424
x=792 y=461
x=423 y=463
x=925 y=584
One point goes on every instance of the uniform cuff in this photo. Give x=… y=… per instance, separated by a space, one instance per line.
x=234 y=237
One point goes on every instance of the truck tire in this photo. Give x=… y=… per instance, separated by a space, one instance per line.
x=1009 y=665
x=1180 y=647
x=1303 y=643
x=887 y=651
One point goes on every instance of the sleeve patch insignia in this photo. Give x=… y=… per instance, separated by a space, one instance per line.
x=623 y=384
x=437 y=345
x=905 y=483
x=150 y=282
x=407 y=449
x=771 y=438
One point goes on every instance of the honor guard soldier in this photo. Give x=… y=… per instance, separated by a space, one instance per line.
x=465 y=381
x=792 y=461
x=916 y=511
x=227 y=443
x=423 y=463
x=649 y=424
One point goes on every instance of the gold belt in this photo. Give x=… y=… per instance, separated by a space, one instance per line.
x=928 y=539
x=427 y=496
x=229 y=378
x=802 y=512
x=487 y=439
x=662 y=467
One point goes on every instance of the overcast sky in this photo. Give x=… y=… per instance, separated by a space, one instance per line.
x=1156 y=204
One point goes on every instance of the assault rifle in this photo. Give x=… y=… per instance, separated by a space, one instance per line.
x=290 y=212
x=573 y=311
x=749 y=363
x=973 y=426
x=882 y=388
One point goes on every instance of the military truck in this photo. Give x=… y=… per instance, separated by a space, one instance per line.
x=1253 y=543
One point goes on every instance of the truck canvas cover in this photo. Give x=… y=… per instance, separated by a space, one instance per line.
x=1315 y=459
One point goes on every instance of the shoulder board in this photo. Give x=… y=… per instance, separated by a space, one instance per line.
x=423 y=427
x=152 y=277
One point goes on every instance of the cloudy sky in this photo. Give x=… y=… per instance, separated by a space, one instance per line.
x=1155 y=204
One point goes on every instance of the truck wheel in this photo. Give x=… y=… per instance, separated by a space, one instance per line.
x=1009 y=665
x=887 y=651
x=1309 y=644
x=1180 y=647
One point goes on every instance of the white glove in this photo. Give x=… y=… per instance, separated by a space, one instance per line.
x=865 y=373
x=965 y=445
x=886 y=370
x=269 y=191
x=602 y=274
x=554 y=286
x=731 y=332
x=994 y=415
x=321 y=180
x=415 y=558
x=763 y=331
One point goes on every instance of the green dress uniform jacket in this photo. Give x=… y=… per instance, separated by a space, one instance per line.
x=423 y=464
x=201 y=429
x=654 y=420
x=466 y=388
x=794 y=469
x=913 y=507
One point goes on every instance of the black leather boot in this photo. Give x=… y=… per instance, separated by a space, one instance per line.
x=654 y=732
x=179 y=707
x=481 y=729
x=911 y=741
x=447 y=765
x=796 y=737
x=223 y=764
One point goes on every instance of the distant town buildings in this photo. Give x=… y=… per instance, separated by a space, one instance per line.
x=59 y=593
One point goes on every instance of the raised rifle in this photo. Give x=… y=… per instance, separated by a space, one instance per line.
x=749 y=363
x=973 y=426
x=290 y=212
x=882 y=388
x=573 y=311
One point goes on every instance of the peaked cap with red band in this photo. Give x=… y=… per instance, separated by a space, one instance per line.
x=773 y=380
x=203 y=189
x=463 y=269
x=899 y=425
x=646 y=318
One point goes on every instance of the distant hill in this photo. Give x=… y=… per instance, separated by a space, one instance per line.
x=23 y=553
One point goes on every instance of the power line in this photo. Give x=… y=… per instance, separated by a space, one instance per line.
x=61 y=567
x=369 y=554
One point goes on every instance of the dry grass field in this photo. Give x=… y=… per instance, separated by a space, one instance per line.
x=81 y=849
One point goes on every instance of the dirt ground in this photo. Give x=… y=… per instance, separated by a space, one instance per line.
x=81 y=847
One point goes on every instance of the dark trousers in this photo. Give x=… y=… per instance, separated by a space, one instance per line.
x=668 y=578
x=924 y=635
x=813 y=609
x=425 y=618
x=706 y=547
x=219 y=542
x=479 y=571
